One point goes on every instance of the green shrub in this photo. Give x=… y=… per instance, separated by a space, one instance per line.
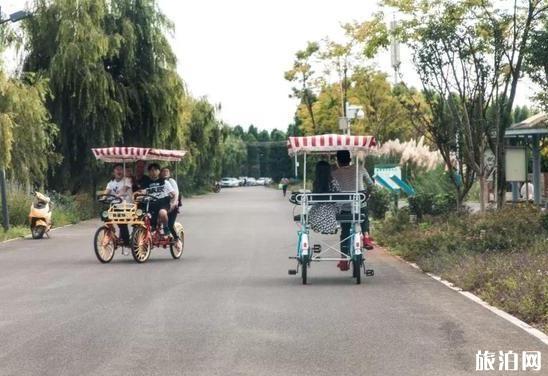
x=435 y=194
x=18 y=207
x=544 y=221
x=379 y=202
x=499 y=255
x=66 y=209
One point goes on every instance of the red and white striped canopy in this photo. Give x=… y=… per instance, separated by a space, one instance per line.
x=329 y=143
x=132 y=154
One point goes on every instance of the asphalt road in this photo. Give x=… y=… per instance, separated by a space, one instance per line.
x=228 y=306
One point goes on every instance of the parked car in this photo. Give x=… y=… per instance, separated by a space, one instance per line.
x=261 y=181
x=251 y=181
x=266 y=181
x=229 y=182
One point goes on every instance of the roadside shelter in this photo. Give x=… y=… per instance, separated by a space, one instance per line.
x=531 y=132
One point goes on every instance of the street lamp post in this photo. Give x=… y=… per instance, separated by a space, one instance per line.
x=14 y=17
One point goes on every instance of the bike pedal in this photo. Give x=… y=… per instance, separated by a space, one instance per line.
x=369 y=272
x=292 y=272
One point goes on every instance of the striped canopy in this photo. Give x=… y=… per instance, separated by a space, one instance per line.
x=329 y=143
x=132 y=154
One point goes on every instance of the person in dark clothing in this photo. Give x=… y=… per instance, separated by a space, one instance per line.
x=164 y=194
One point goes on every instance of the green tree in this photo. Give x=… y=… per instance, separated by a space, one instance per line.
x=326 y=110
x=112 y=77
x=234 y=156
x=537 y=62
x=470 y=55
x=26 y=132
x=203 y=141
x=304 y=77
x=384 y=115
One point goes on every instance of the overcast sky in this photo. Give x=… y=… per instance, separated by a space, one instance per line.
x=236 y=52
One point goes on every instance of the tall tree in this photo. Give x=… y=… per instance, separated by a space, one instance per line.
x=304 y=77
x=112 y=75
x=537 y=62
x=26 y=132
x=470 y=54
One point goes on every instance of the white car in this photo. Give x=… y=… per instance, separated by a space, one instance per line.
x=251 y=181
x=229 y=182
x=261 y=181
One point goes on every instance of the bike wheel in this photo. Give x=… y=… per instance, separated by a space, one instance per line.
x=37 y=231
x=104 y=244
x=140 y=245
x=175 y=252
x=304 y=270
x=357 y=268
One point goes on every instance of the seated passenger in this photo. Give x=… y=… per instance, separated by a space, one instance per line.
x=346 y=176
x=140 y=180
x=163 y=192
x=323 y=217
x=120 y=187
x=175 y=204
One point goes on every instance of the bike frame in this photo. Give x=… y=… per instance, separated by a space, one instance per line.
x=306 y=199
x=153 y=235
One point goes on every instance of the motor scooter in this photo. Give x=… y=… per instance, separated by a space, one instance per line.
x=40 y=215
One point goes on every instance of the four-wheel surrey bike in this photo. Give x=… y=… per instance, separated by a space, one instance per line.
x=143 y=236
x=307 y=253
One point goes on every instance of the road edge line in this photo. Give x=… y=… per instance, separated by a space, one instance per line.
x=476 y=299
x=29 y=236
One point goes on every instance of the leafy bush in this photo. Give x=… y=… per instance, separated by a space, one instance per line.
x=435 y=194
x=18 y=207
x=66 y=209
x=544 y=221
x=379 y=202
x=499 y=255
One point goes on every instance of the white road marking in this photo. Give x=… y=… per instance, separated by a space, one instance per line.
x=505 y=315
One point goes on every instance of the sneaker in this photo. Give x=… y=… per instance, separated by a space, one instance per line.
x=367 y=242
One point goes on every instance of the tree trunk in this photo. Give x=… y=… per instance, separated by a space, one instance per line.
x=483 y=191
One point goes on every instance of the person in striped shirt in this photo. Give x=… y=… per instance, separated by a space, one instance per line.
x=345 y=175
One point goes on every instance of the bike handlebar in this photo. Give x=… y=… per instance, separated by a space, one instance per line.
x=109 y=199
x=142 y=197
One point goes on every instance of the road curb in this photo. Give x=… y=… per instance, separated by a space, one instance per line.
x=53 y=229
x=497 y=311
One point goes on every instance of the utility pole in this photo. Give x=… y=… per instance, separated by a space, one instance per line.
x=5 y=214
x=395 y=51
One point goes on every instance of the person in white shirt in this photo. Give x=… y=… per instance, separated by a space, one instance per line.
x=121 y=187
x=529 y=196
x=165 y=173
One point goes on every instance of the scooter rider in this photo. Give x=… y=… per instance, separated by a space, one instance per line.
x=164 y=194
x=120 y=187
x=175 y=203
